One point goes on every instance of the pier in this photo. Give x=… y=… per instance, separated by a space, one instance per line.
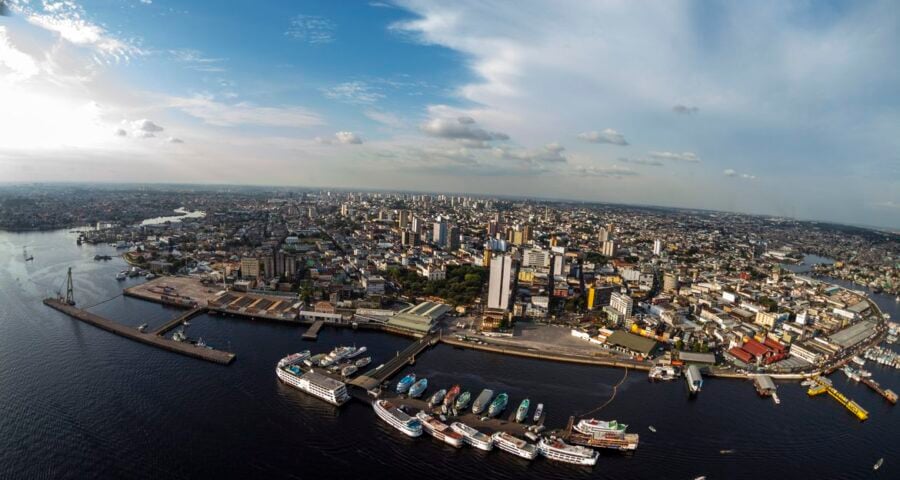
x=152 y=339
x=822 y=387
x=888 y=395
x=373 y=378
x=179 y=320
x=312 y=333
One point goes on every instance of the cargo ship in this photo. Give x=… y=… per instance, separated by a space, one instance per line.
x=437 y=398
x=473 y=437
x=498 y=405
x=522 y=411
x=397 y=418
x=556 y=449
x=451 y=396
x=514 y=445
x=314 y=383
x=406 y=382
x=463 y=400
x=418 y=388
x=440 y=430
x=482 y=401
x=593 y=427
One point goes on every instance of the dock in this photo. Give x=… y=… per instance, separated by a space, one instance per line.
x=152 y=339
x=374 y=377
x=888 y=395
x=822 y=387
x=312 y=333
x=179 y=320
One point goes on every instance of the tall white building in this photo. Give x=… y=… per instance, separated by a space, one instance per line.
x=609 y=249
x=535 y=257
x=501 y=279
x=657 y=247
x=621 y=303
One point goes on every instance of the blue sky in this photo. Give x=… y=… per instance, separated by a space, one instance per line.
x=782 y=108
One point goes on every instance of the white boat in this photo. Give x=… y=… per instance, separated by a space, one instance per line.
x=556 y=449
x=859 y=361
x=593 y=426
x=359 y=351
x=121 y=276
x=652 y=428
x=472 y=436
x=514 y=445
x=314 y=383
x=662 y=372
x=878 y=464
x=440 y=430
x=538 y=412
x=143 y=328
x=294 y=358
x=397 y=418
x=362 y=362
x=348 y=370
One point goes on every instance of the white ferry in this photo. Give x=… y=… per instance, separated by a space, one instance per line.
x=397 y=418
x=472 y=436
x=593 y=426
x=440 y=430
x=514 y=445
x=556 y=449
x=293 y=359
x=314 y=383
x=662 y=372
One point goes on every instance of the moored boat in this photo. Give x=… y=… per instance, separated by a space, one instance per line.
x=451 y=396
x=440 y=430
x=498 y=405
x=472 y=436
x=514 y=445
x=406 y=382
x=482 y=401
x=462 y=401
x=418 y=388
x=397 y=418
x=556 y=449
x=593 y=426
x=362 y=362
x=348 y=370
x=538 y=412
x=437 y=398
x=522 y=411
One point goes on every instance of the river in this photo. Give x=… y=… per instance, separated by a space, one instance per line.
x=78 y=402
x=182 y=214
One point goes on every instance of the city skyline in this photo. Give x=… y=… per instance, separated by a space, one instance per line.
x=776 y=109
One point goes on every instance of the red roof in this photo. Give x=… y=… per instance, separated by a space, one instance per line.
x=756 y=348
x=775 y=345
x=742 y=354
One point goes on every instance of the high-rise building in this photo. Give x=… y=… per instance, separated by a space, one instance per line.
x=418 y=225
x=403 y=219
x=621 y=303
x=500 y=286
x=439 y=236
x=409 y=239
x=603 y=234
x=609 y=249
x=249 y=267
x=536 y=258
x=486 y=259
x=453 y=238
x=670 y=282
x=657 y=246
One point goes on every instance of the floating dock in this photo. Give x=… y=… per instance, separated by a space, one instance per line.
x=152 y=339
x=888 y=395
x=822 y=387
x=313 y=332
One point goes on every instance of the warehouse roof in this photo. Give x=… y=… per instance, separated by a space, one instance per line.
x=632 y=342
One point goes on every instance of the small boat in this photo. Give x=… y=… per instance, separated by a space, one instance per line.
x=878 y=464
x=462 y=401
x=179 y=335
x=418 y=388
x=701 y=477
x=143 y=328
x=438 y=397
x=186 y=323
x=451 y=396
x=348 y=370
x=498 y=405
x=200 y=343
x=522 y=411
x=652 y=428
x=538 y=412
x=727 y=451
x=121 y=276
x=362 y=362
x=406 y=382
x=359 y=351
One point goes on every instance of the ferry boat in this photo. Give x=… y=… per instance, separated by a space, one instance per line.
x=397 y=418
x=593 y=426
x=694 y=379
x=462 y=401
x=336 y=356
x=522 y=411
x=293 y=359
x=437 y=398
x=514 y=445
x=482 y=401
x=348 y=370
x=538 y=412
x=440 y=430
x=418 y=388
x=362 y=362
x=314 y=383
x=664 y=373
x=498 y=405
x=406 y=382
x=472 y=436
x=357 y=352
x=451 y=396
x=556 y=449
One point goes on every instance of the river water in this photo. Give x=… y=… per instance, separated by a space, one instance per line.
x=78 y=402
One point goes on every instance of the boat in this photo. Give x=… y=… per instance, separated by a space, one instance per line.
x=406 y=382
x=314 y=383
x=538 y=412
x=859 y=361
x=556 y=449
x=522 y=411
x=25 y=254
x=498 y=405
x=314 y=360
x=362 y=362
x=121 y=276
x=150 y=276
x=359 y=351
x=878 y=464
x=200 y=343
x=451 y=396
x=482 y=401
x=348 y=370
x=694 y=379
x=336 y=356
x=143 y=328
x=440 y=430
x=652 y=428
x=418 y=388
x=438 y=397
x=179 y=335
x=397 y=418
x=472 y=436
x=463 y=401
x=664 y=373
x=594 y=426
x=514 y=445
x=727 y=451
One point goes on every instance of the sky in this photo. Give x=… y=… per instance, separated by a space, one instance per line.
x=779 y=108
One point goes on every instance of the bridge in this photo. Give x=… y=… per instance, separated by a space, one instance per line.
x=179 y=320
x=375 y=377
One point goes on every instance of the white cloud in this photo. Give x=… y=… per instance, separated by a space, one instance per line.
x=348 y=138
x=689 y=157
x=551 y=153
x=145 y=125
x=462 y=128
x=196 y=60
x=69 y=21
x=606 y=136
x=353 y=92
x=641 y=161
x=729 y=172
x=21 y=65
x=613 y=171
x=311 y=29
x=228 y=115
x=747 y=176
x=384 y=118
